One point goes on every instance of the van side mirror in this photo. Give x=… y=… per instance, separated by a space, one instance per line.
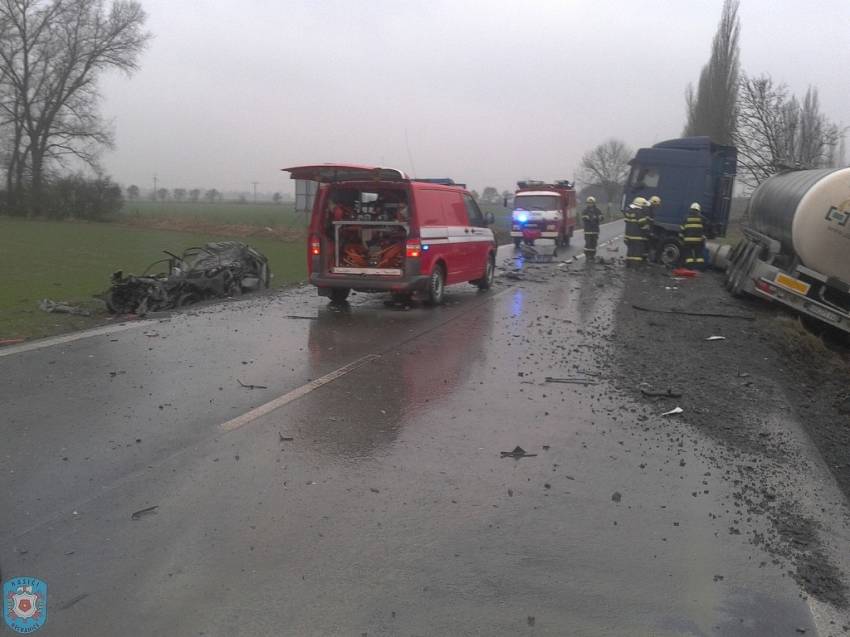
x=489 y=218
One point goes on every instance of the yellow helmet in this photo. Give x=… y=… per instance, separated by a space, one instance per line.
x=640 y=202
x=655 y=200
x=695 y=206
x=591 y=200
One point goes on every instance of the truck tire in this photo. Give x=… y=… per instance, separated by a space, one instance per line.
x=436 y=286
x=339 y=295
x=670 y=252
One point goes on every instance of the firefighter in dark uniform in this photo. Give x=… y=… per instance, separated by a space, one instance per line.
x=637 y=231
x=652 y=244
x=591 y=217
x=692 y=234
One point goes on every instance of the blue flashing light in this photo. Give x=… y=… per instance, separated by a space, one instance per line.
x=522 y=217
x=426 y=247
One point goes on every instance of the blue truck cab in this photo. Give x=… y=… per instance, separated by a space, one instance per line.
x=682 y=171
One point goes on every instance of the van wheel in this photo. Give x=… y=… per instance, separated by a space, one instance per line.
x=436 y=286
x=339 y=295
x=566 y=241
x=486 y=282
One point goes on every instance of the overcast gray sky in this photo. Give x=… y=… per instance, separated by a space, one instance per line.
x=485 y=92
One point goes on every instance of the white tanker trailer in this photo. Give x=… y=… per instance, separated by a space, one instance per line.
x=797 y=249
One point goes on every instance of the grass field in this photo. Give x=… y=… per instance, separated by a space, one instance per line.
x=229 y=213
x=71 y=261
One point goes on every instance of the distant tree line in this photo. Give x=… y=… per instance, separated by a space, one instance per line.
x=51 y=54
x=184 y=195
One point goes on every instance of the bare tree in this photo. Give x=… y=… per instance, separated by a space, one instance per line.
x=606 y=167
x=212 y=195
x=132 y=192
x=712 y=108
x=776 y=130
x=194 y=195
x=162 y=194
x=179 y=194
x=51 y=53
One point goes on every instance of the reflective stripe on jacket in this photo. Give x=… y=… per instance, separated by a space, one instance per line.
x=637 y=227
x=692 y=230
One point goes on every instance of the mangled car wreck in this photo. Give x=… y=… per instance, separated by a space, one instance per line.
x=216 y=270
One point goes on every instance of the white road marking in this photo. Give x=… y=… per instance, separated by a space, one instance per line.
x=295 y=394
x=70 y=338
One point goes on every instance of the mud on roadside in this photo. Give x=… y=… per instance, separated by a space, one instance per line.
x=737 y=391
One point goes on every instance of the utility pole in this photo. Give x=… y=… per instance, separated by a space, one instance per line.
x=154 y=187
x=254 y=184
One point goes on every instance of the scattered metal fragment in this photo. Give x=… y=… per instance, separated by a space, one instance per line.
x=616 y=496
x=73 y=600
x=61 y=307
x=715 y=338
x=743 y=317
x=518 y=452
x=674 y=411
x=11 y=341
x=241 y=384
x=285 y=438
x=571 y=381
x=142 y=512
x=309 y=318
x=660 y=394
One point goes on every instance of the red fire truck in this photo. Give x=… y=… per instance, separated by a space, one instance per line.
x=543 y=211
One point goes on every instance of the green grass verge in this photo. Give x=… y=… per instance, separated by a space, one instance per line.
x=259 y=214
x=72 y=261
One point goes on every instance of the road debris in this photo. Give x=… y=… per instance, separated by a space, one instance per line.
x=518 y=452
x=246 y=386
x=11 y=341
x=306 y=318
x=715 y=338
x=61 y=307
x=285 y=438
x=142 y=512
x=674 y=411
x=616 y=496
x=743 y=317
x=73 y=600
x=659 y=394
x=571 y=381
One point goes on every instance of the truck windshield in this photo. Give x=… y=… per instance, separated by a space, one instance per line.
x=537 y=202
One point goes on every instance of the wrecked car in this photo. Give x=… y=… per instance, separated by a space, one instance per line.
x=215 y=270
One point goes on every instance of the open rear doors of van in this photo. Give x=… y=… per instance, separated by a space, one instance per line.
x=330 y=173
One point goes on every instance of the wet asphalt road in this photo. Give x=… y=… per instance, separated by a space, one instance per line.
x=374 y=501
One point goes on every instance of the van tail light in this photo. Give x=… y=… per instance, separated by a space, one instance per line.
x=414 y=249
x=315 y=246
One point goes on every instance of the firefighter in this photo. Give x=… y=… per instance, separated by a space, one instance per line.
x=692 y=234
x=654 y=205
x=637 y=231
x=652 y=245
x=591 y=216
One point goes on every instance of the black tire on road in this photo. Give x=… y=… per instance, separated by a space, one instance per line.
x=436 y=286
x=339 y=295
x=486 y=282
